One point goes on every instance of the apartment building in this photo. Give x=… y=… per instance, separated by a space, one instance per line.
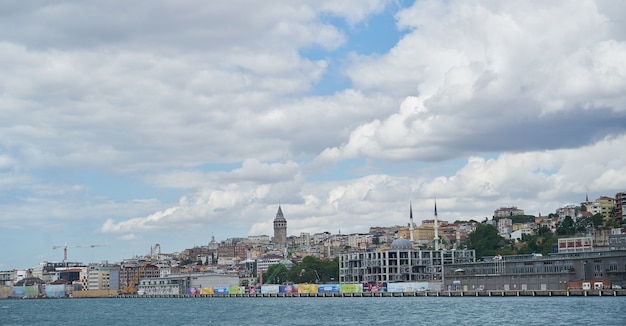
x=620 y=206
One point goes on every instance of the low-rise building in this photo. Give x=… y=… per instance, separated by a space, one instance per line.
x=7 y=278
x=175 y=284
x=266 y=261
x=518 y=234
x=537 y=272
x=575 y=244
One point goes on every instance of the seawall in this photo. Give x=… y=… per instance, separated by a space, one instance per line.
x=562 y=293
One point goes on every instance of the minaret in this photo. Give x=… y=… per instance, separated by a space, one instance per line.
x=280 y=227
x=411 y=221
x=436 y=228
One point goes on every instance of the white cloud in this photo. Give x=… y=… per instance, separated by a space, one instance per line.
x=538 y=182
x=150 y=222
x=489 y=78
x=204 y=115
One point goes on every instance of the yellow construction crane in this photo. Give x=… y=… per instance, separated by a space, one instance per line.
x=65 y=246
x=131 y=287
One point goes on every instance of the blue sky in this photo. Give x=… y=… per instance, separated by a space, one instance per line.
x=125 y=127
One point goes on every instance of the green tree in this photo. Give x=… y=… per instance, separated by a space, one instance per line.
x=314 y=270
x=540 y=242
x=597 y=220
x=279 y=278
x=566 y=226
x=518 y=219
x=486 y=241
x=583 y=224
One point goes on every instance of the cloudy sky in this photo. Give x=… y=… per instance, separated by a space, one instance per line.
x=125 y=124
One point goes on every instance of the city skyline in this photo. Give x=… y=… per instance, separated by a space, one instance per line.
x=124 y=125
x=281 y=243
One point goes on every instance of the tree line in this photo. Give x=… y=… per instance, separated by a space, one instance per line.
x=486 y=240
x=311 y=270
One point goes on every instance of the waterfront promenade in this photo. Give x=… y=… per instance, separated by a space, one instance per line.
x=559 y=293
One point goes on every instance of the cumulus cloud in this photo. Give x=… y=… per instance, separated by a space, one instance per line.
x=191 y=116
x=492 y=80
x=538 y=182
x=149 y=222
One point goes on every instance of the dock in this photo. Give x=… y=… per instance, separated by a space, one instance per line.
x=459 y=294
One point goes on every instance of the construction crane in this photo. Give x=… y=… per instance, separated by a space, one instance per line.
x=281 y=265
x=131 y=287
x=65 y=246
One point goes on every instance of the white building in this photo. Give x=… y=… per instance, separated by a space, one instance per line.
x=517 y=234
x=575 y=244
x=259 y=239
x=174 y=284
x=361 y=241
x=570 y=210
x=103 y=276
x=505 y=227
x=266 y=261
x=401 y=263
x=305 y=239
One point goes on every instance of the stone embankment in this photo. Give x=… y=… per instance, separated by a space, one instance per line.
x=557 y=293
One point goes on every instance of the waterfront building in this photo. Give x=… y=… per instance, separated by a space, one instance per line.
x=400 y=263
x=617 y=240
x=175 y=284
x=131 y=273
x=103 y=276
x=7 y=278
x=537 y=272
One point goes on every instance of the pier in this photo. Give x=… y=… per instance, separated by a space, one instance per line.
x=468 y=294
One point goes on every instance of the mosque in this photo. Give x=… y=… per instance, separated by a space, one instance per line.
x=402 y=262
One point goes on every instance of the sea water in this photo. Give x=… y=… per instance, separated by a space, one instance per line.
x=317 y=311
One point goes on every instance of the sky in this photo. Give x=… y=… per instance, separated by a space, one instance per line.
x=127 y=124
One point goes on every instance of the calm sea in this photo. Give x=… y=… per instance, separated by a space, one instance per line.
x=318 y=311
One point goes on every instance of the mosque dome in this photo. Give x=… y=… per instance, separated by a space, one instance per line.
x=402 y=244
